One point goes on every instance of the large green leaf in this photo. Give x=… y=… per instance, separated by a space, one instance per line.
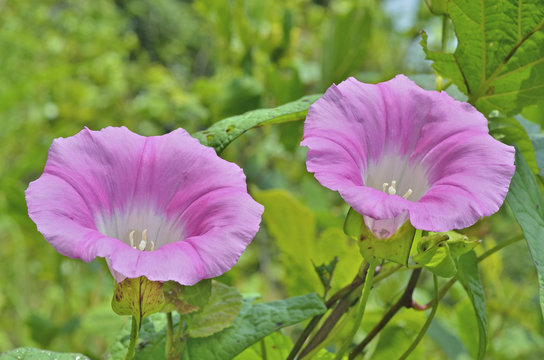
x=527 y=203
x=538 y=145
x=499 y=60
x=468 y=276
x=222 y=133
x=28 y=353
x=254 y=322
x=219 y=313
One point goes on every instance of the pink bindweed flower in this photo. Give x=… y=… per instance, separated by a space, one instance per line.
x=165 y=207
x=396 y=152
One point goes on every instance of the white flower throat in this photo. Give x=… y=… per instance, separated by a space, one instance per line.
x=392 y=190
x=396 y=174
x=140 y=227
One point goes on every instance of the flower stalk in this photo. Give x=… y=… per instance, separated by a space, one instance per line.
x=134 y=332
x=360 y=312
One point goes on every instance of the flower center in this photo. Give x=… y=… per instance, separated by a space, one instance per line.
x=143 y=242
x=392 y=190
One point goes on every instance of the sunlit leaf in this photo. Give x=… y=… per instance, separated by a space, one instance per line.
x=222 y=133
x=499 y=59
x=527 y=203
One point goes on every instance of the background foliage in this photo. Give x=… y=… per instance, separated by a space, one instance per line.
x=157 y=65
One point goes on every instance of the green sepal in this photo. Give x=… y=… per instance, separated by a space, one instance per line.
x=138 y=297
x=439 y=252
x=396 y=248
x=186 y=299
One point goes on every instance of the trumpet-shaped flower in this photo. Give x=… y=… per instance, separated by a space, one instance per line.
x=165 y=207
x=396 y=152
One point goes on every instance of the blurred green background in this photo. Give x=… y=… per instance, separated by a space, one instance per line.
x=157 y=65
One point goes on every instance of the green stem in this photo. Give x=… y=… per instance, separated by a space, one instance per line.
x=445 y=33
x=360 y=312
x=427 y=322
x=405 y=300
x=500 y=246
x=264 y=356
x=134 y=331
x=169 y=334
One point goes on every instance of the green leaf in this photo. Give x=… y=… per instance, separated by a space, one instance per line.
x=222 y=133
x=138 y=297
x=275 y=346
x=395 y=248
x=444 y=64
x=253 y=323
x=28 y=353
x=218 y=313
x=499 y=60
x=325 y=272
x=283 y=217
x=510 y=131
x=538 y=145
x=186 y=299
x=525 y=199
x=470 y=279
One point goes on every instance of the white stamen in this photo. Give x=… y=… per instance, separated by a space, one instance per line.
x=408 y=193
x=384 y=187
x=131 y=237
x=142 y=245
x=392 y=189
